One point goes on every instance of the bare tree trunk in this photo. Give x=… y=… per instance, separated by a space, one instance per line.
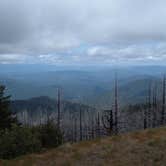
x=59 y=109
x=154 y=106
x=81 y=125
x=145 y=118
x=163 y=102
x=149 y=106
x=86 y=131
x=92 y=129
x=116 y=104
x=75 y=129
x=98 y=125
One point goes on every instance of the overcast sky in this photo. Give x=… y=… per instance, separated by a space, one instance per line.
x=83 y=31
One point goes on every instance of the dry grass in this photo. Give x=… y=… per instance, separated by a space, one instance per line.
x=145 y=148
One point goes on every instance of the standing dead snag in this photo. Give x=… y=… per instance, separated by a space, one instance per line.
x=107 y=120
x=145 y=118
x=92 y=129
x=59 y=109
x=149 y=106
x=163 y=102
x=75 y=129
x=81 y=125
x=98 y=133
x=116 y=104
x=147 y=111
x=154 y=106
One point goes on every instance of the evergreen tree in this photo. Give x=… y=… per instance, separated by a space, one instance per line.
x=6 y=116
x=107 y=120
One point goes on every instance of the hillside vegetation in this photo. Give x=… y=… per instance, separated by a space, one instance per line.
x=146 y=147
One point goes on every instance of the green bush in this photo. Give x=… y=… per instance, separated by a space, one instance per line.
x=50 y=135
x=18 y=141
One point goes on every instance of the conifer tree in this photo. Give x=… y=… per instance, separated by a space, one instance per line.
x=107 y=120
x=6 y=116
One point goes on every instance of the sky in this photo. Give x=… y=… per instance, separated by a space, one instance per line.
x=82 y=31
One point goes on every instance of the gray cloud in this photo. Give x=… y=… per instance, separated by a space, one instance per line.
x=33 y=28
x=131 y=53
x=12 y=58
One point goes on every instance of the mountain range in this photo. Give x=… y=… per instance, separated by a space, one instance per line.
x=93 y=86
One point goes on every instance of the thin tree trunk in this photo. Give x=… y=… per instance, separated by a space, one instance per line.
x=149 y=106
x=116 y=105
x=81 y=125
x=154 y=106
x=98 y=125
x=75 y=129
x=163 y=102
x=92 y=129
x=59 y=109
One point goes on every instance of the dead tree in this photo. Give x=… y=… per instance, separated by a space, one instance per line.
x=149 y=106
x=154 y=106
x=71 y=129
x=145 y=118
x=59 y=109
x=81 y=135
x=98 y=130
x=107 y=121
x=147 y=109
x=71 y=134
x=116 y=104
x=92 y=129
x=75 y=129
x=163 y=102
x=86 y=133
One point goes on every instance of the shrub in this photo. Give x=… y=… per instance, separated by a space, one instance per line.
x=50 y=135
x=18 y=141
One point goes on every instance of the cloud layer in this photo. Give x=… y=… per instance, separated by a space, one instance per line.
x=79 y=31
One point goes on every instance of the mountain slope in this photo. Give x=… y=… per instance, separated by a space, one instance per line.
x=138 y=148
x=132 y=91
x=45 y=103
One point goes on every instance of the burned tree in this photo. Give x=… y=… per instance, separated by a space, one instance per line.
x=154 y=104
x=163 y=102
x=116 y=104
x=145 y=118
x=149 y=106
x=147 y=109
x=75 y=129
x=92 y=128
x=59 y=109
x=81 y=134
x=98 y=131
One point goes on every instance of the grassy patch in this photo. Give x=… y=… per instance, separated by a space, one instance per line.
x=137 y=148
